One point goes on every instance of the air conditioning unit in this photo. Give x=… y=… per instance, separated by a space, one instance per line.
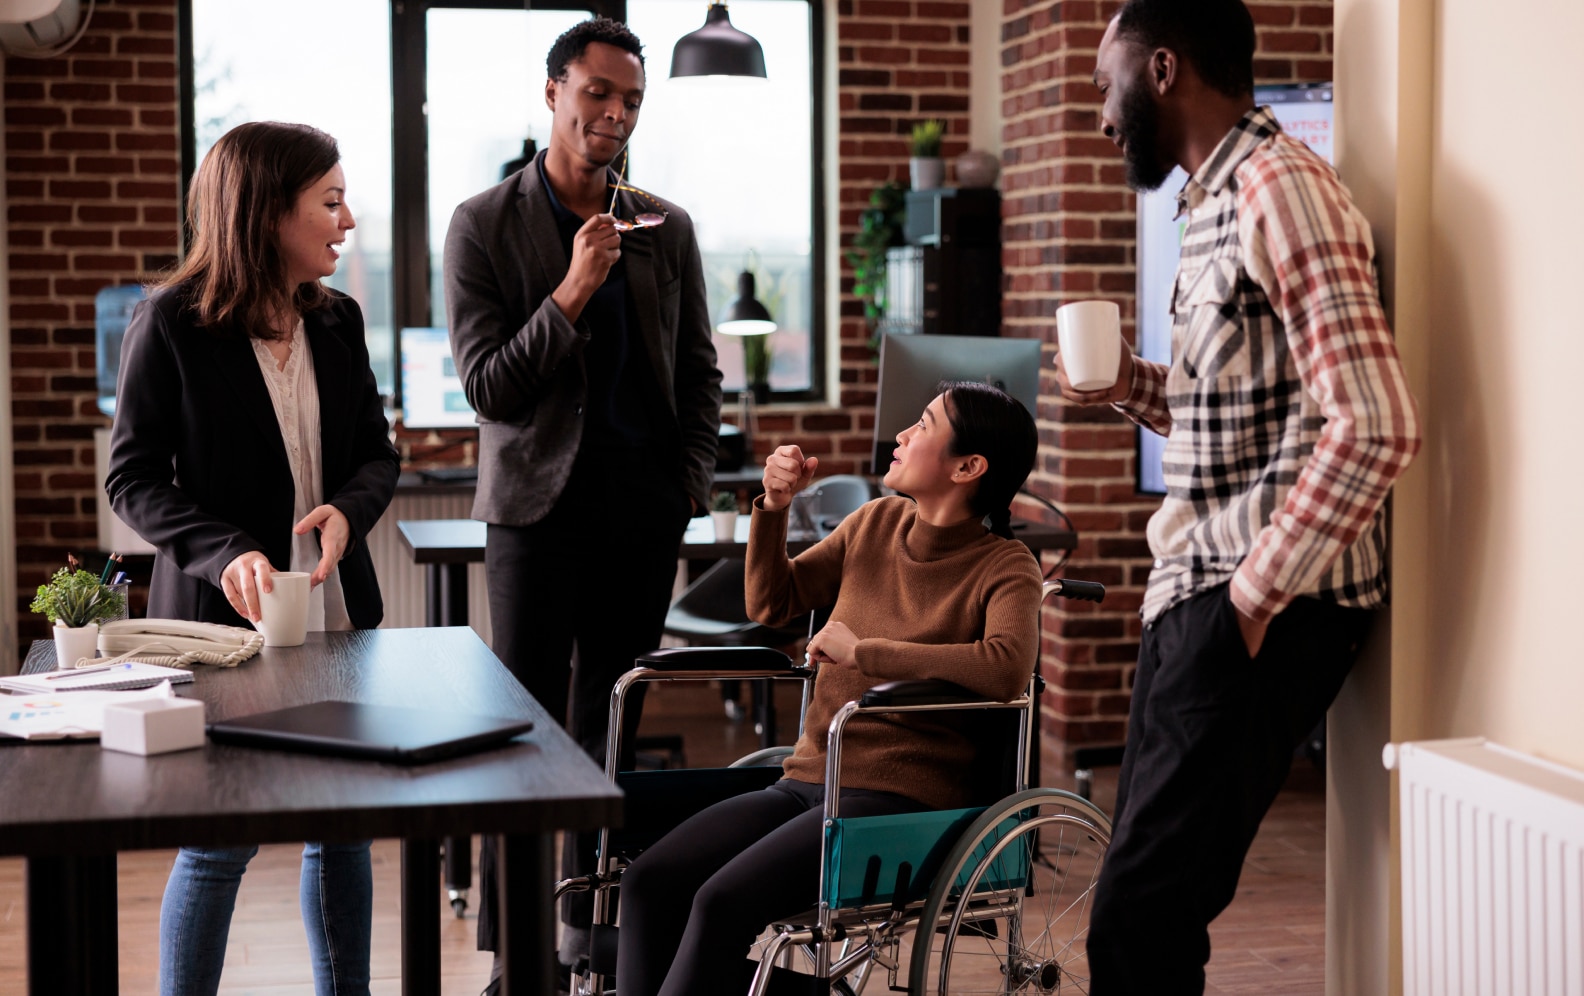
x=35 y=27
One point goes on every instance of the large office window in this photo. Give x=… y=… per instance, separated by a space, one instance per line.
x=455 y=88
x=321 y=64
x=738 y=155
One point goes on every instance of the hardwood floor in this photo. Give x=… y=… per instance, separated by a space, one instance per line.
x=1271 y=940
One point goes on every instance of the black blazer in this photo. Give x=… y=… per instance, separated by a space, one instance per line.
x=521 y=361
x=198 y=466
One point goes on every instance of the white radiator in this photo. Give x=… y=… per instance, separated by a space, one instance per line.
x=1492 y=878
x=402 y=581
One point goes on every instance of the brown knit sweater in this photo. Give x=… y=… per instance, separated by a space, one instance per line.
x=957 y=603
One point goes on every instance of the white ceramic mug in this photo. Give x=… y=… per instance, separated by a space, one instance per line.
x=284 y=610
x=1089 y=336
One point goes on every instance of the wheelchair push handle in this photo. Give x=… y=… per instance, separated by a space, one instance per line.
x=1083 y=591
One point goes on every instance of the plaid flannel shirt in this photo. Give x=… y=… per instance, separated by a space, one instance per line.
x=1286 y=414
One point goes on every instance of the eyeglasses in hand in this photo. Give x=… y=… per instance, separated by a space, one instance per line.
x=644 y=219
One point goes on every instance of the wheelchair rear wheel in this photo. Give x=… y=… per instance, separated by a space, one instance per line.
x=1010 y=906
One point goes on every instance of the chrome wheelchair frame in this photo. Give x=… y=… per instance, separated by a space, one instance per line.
x=973 y=907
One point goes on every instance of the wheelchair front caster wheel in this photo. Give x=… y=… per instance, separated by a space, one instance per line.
x=459 y=902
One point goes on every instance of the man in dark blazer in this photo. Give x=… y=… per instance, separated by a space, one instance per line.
x=584 y=346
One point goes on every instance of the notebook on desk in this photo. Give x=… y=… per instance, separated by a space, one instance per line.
x=358 y=729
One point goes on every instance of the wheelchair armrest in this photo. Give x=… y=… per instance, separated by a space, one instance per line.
x=720 y=659
x=930 y=691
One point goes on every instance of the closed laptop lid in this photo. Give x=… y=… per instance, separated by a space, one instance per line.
x=401 y=734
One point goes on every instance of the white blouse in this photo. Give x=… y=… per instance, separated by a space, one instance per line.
x=295 y=395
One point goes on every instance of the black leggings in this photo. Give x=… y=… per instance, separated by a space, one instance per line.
x=692 y=904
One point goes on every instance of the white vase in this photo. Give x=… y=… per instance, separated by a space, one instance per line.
x=927 y=172
x=72 y=643
x=725 y=526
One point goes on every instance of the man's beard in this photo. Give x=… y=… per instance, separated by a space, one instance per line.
x=1140 y=129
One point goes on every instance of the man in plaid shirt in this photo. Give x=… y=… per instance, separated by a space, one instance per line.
x=1287 y=419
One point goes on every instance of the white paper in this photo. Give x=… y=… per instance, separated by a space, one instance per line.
x=39 y=716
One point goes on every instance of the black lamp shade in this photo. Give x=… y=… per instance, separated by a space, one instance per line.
x=717 y=49
x=745 y=315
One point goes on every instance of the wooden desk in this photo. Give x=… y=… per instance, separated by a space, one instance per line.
x=69 y=807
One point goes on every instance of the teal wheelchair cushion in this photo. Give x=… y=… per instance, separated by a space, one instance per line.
x=868 y=857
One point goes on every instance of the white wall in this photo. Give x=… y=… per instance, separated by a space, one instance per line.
x=1459 y=135
x=1503 y=656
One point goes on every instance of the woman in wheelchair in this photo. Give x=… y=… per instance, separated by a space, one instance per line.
x=921 y=589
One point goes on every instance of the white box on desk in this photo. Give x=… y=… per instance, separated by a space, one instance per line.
x=153 y=726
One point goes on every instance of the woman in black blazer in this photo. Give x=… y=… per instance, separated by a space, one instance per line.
x=249 y=438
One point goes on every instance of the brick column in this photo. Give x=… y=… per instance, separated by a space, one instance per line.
x=92 y=188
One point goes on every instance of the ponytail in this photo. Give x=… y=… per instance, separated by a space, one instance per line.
x=1001 y=523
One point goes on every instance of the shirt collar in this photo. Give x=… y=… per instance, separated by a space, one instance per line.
x=561 y=211
x=1216 y=171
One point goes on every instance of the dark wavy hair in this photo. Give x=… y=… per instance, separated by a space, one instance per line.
x=1216 y=37
x=576 y=40
x=990 y=422
x=244 y=189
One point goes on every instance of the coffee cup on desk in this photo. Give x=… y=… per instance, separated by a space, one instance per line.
x=283 y=610
x=1089 y=337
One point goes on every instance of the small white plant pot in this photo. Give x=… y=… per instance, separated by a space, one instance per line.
x=72 y=643
x=725 y=526
x=927 y=172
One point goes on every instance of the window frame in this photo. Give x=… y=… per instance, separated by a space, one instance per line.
x=411 y=303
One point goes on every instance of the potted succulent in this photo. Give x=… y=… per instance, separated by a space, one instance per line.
x=927 y=168
x=76 y=600
x=723 y=509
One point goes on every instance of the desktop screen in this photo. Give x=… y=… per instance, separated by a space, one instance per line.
x=432 y=395
x=912 y=365
x=1304 y=110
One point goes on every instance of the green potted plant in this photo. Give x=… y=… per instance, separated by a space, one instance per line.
x=756 y=366
x=723 y=510
x=879 y=229
x=927 y=168
x=75 y=601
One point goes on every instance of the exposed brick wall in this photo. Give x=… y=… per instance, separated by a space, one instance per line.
x=92 y=185
x=1068 y=234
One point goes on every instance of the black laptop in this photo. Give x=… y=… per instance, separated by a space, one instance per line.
x=356 y=729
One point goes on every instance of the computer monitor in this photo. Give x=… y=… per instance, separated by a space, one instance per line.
x=1305 y=112
x=432 y=395
x=913 y=365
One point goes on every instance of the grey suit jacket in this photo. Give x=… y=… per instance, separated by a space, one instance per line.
x=521 y=361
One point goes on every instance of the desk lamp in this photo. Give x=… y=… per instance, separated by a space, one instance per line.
x=717 y=49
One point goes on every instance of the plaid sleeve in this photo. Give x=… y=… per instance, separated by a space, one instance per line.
x=1311 y=251
x=1146 y=402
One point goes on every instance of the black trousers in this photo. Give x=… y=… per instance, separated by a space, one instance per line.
x=693 y=903
x=1210 y=740
x=574 y=599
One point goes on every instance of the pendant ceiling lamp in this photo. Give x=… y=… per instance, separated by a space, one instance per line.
x=717 y=49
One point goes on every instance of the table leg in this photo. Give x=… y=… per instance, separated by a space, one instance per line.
x=445 y=594
x=446 y=604
x=527 y=914
x=458 y=871
x=420 y=917
x=71 y=918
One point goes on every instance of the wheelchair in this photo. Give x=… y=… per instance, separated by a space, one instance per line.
x=990 y=899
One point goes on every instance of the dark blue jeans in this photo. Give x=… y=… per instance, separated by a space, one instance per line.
x=1211 y=735
x=337 y=898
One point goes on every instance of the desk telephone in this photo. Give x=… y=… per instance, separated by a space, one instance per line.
x=178 y=642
